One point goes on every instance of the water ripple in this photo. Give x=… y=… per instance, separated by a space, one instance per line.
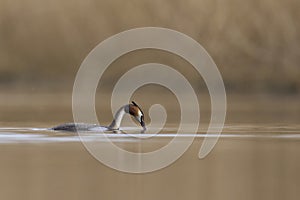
x=45 y=135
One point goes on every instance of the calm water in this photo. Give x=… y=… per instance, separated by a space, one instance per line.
x=19 y=135
x=248 y=162
x=257 y=155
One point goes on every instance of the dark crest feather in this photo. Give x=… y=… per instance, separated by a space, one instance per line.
x=137 y=106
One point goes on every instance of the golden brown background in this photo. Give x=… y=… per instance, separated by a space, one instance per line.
x=254 y=43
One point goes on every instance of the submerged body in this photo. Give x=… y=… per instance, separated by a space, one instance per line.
x=132 y=109
x=77 y=127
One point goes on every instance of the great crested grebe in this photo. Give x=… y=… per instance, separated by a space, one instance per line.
x=132 y=109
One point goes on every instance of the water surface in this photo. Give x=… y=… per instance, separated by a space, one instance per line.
x=257 y=155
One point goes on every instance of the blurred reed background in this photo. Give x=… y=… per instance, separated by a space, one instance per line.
x=254 y=43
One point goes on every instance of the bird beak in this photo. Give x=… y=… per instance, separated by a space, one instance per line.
x=143 y=125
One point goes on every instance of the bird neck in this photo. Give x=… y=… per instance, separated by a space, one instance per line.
x=115 y=124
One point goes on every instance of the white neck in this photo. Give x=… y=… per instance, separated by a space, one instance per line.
x=115 y=124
